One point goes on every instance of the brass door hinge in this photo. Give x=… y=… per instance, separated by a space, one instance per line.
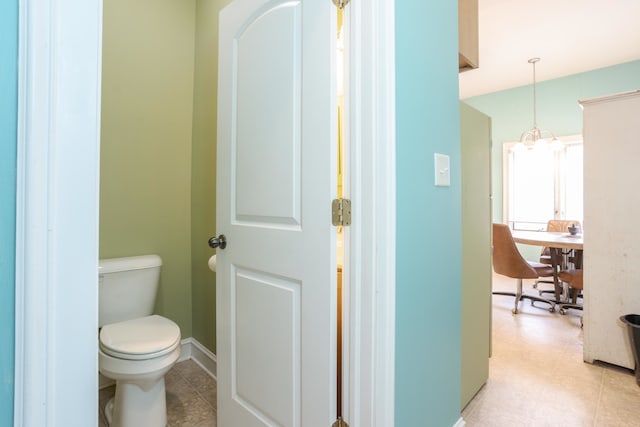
x=340 y=4
x=341 y=212
x=340 y=423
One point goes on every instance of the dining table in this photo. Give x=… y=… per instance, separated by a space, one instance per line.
x=558 y=243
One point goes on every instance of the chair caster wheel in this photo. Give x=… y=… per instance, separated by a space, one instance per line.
x=562 y=311
x=552 y=309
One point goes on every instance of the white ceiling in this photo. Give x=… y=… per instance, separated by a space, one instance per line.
x=570 y=36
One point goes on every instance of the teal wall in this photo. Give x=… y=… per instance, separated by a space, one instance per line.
x=428 y=265
x=557 y=109
x=8 y=138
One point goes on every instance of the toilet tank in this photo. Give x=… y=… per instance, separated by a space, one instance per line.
x=127 y=287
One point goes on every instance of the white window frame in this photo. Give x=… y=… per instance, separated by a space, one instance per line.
x=560 y=181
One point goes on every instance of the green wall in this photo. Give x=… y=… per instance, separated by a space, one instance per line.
x=145 y=176
x=8 y=144
x=428 y=254
x=557 y=109
x=203 y=172
x=158 y=157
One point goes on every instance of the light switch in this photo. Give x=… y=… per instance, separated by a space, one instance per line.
x=441 y=162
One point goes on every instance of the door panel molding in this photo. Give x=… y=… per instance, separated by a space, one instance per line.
x=256 y=82
x=274 y=304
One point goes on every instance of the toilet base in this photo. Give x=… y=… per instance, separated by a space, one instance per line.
x=137 y=404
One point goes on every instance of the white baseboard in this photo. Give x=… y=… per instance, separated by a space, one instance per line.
x=191 y=349
x=460 y=423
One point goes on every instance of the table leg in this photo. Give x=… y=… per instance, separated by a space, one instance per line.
x=556 y=262
x=578 y=258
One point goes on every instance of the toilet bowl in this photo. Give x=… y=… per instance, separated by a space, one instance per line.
x=137 y=354
x=136 y=348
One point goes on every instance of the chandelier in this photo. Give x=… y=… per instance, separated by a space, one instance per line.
x=535 y=136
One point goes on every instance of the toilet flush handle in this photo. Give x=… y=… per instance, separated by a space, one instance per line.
x=218 y=242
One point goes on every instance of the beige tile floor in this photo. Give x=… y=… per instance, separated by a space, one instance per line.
x=191 y=397
x=537 y=376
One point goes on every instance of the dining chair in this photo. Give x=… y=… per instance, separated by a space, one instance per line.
x=556 y=225
x=574 y=279
x=508 y=261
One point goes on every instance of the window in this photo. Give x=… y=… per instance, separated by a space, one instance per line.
x=542 y=183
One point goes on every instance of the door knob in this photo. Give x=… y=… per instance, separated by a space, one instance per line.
x=218 y=242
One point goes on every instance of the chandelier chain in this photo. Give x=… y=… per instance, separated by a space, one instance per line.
x=533 y=61
x=535 y=134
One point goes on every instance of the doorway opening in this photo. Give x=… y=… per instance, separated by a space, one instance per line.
x=74 y=243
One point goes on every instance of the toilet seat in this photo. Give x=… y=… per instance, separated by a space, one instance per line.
x=138 y=339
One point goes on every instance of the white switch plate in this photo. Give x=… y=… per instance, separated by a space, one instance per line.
x=443 y=175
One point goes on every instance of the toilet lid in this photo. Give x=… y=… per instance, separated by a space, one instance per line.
x=142 y=338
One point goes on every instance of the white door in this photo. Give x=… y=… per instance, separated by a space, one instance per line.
x=276 y=278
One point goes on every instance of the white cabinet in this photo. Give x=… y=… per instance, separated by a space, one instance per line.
x=611 y=132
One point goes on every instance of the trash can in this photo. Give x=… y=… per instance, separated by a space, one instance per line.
x=633 y=327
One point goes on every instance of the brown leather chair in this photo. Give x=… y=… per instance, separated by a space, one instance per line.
x=574 y=279
x=508 y=261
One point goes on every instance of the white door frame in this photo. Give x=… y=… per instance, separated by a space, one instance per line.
x=370 y=258
x=56 y=376
x=57 y=213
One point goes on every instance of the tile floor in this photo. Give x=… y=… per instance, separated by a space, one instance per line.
x=537 y=376
x=191 y=397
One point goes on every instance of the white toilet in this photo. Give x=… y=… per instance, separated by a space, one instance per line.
x=136 y=348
